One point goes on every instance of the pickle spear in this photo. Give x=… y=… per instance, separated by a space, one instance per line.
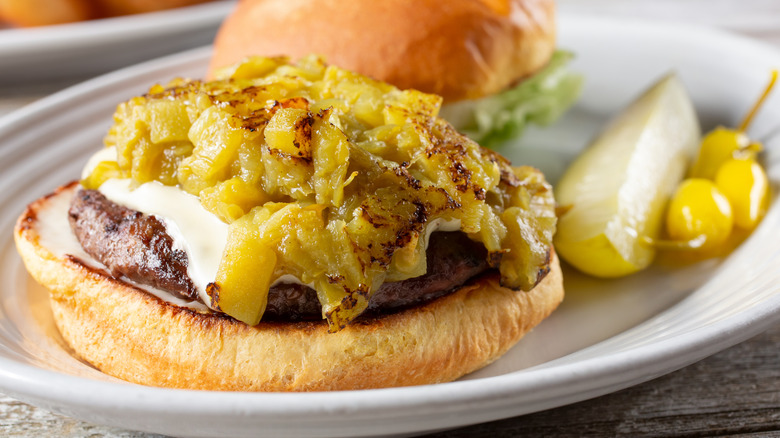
x=615 y=192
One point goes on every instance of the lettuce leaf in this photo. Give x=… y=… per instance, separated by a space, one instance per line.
x=540 y=99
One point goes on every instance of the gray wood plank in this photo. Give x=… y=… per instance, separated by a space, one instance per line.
x=735 y=392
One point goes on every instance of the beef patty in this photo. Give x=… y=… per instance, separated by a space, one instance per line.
x=137 y=246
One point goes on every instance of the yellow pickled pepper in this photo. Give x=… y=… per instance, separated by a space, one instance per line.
x=727 y=159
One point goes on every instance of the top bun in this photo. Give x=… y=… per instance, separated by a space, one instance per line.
x=458 y=49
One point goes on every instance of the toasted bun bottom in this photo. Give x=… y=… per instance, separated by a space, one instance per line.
x=132 y=335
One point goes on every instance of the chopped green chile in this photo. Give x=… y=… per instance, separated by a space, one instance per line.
x=328 y=176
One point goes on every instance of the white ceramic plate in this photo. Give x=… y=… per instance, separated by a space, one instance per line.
x=98 y=46
x=607 y=335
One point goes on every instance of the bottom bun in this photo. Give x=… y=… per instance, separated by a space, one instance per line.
x=133 y=335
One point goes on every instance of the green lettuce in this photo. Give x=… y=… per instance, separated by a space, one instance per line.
x=540 y=100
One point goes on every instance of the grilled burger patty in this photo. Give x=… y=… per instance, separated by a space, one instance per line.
x=135 y=245
x=129 y=243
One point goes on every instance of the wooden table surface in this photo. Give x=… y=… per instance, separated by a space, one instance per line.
x=735 y=392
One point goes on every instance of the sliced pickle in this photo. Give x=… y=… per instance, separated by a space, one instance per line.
x=616 y=190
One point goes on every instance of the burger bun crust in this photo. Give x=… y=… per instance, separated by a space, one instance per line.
x=458 y=49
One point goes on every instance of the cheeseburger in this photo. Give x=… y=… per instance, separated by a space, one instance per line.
x=293 y=227
x=493 y=61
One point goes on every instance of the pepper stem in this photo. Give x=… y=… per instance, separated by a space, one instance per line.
x=757 y=105
x=695 y=243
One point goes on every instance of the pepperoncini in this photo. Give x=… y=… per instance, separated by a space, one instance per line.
x=727 y=165
x=697 y=209
x=745 y=183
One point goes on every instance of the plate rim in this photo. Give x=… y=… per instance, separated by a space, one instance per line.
x=93 y=32
x=610 y=370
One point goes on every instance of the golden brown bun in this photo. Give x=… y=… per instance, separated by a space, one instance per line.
x=28 y=13
x=130 y=334
x=44 y=12
x=459 y=49
x=113 y=8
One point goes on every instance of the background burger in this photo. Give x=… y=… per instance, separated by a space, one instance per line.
x=493 y=61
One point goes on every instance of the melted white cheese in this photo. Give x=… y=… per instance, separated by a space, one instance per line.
x=105 y=154
x=195 y=230
x=441 y=224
